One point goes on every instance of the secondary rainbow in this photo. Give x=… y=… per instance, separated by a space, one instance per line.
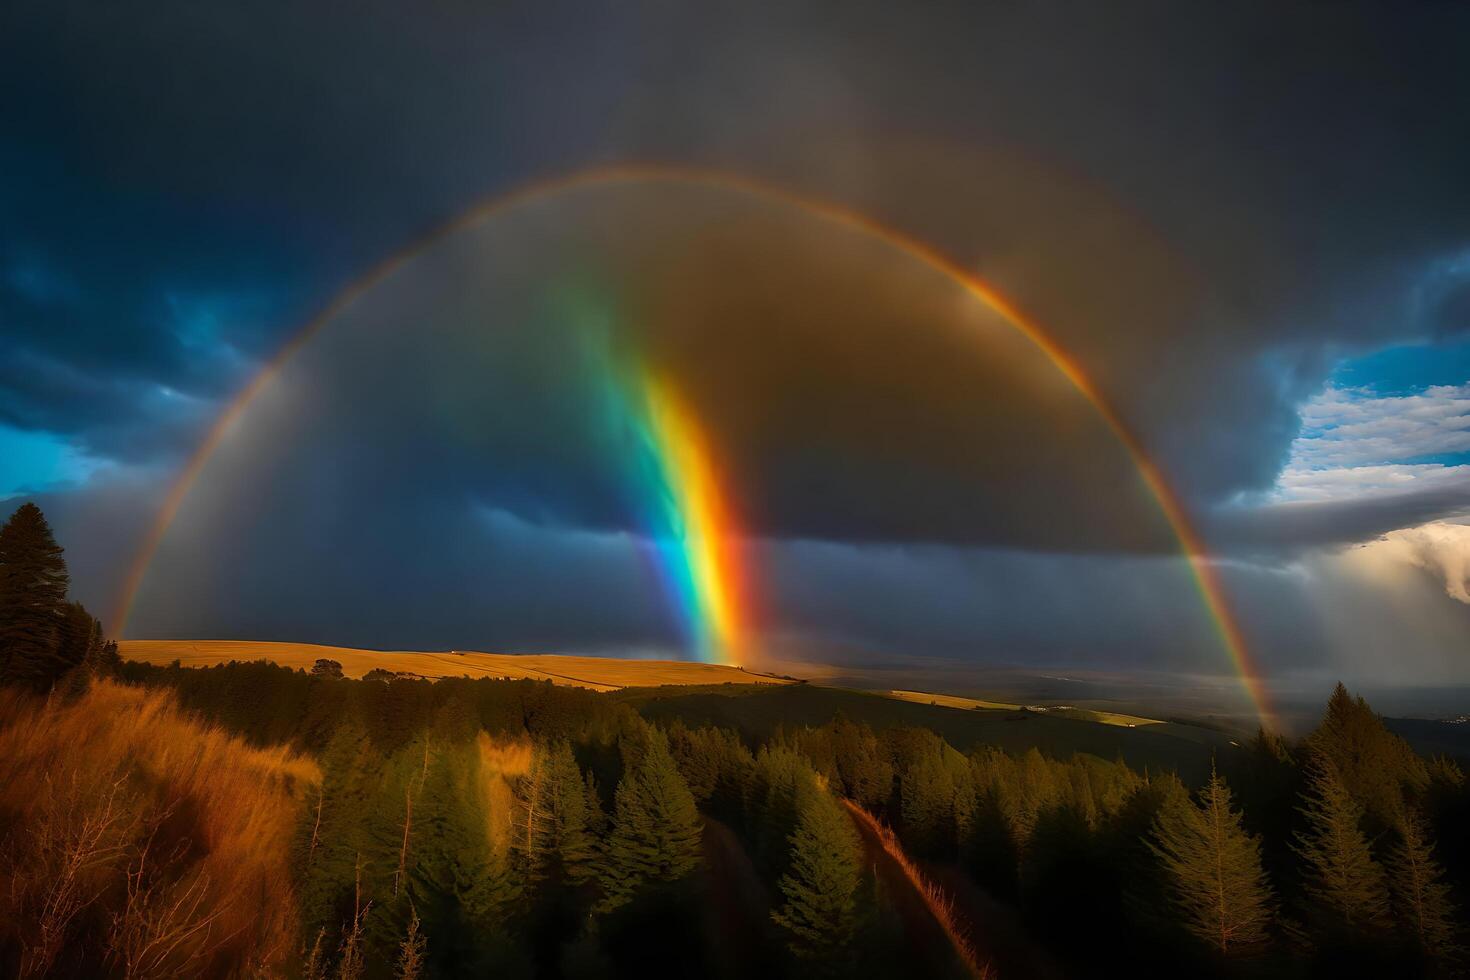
x=1191 y=544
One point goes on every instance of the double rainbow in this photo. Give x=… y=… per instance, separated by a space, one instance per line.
x=1191 y=545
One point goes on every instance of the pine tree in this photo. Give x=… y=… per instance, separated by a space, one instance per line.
x=863 y=768
x=927 y=799
x=571 y=814
x=1446 y=807
x=1035 y=789
x=33 y=583
x=1214 y=870
x=1344 y=885
x=821 y=886
x=773 y=807
x=1374 y=765
x=656 y=830
x=80 y=639
x=715 y=764
x=413 y=952
x=553 y=816
x=1421 y=897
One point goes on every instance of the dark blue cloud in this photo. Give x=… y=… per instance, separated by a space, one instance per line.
x=1210 y=209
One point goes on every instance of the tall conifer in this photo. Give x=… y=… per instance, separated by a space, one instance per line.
x=1373 y=764
x=1214 y=870
x=927 y=798
x=1344 y=885
x=80 y=639
x=656 y=829
x=1421 y=897
x=862 y=766
x=552 y=819
x=33 y=583
x=821 y=911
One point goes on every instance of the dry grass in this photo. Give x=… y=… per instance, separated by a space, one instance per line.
x=136 y=840
x=596 y=673
x=499 y=763
x=969 y=704
x=940 y=905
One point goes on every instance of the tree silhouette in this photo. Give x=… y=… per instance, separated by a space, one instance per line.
x=326 y=668
x=80 y=639
x=33 y=583
x=1373 y=764
x=1214 y=870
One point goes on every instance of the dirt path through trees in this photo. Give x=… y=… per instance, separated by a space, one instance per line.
x=739 y=907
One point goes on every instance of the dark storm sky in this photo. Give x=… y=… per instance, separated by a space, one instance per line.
x=1250 y=223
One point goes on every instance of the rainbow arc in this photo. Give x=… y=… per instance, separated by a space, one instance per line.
x=702 y=537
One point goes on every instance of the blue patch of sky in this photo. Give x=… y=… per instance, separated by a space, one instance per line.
x=1406 y=370
x=32 y=461
x=1440 y=459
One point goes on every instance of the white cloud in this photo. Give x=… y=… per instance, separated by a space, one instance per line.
x=1312 y=485
x=1440 y=548
x=1356 y=444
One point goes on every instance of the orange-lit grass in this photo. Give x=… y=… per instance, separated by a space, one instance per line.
x=500 y=761
x=940 y=905
x=131 y=835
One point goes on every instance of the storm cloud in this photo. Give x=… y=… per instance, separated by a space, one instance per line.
x=1208 y=210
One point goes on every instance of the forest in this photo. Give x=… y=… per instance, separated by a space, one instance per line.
x=252 y=820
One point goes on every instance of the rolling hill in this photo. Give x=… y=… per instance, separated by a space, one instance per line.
x=594 y=673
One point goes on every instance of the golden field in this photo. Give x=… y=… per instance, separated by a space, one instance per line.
x=969 y=704
x=596 y=673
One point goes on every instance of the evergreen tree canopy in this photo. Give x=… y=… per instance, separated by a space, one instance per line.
x=1344 y=884
x=866 y=773
x=80 y=639
x=821 y=911
x=553 y=819
x=1373 y=764
x=780 y=777
x=33 y=583
x=1214 y=870
x=715 y=763
x=1421 y=898
x=656 y=830
x=928 y=800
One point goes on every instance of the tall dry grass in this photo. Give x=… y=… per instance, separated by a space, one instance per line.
x=137 y=842
x=940 y=905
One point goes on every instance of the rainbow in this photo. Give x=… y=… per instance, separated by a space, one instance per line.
x=686 y=521
x=1191 y=544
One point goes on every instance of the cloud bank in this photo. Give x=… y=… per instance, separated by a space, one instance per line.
x=1189 y=211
